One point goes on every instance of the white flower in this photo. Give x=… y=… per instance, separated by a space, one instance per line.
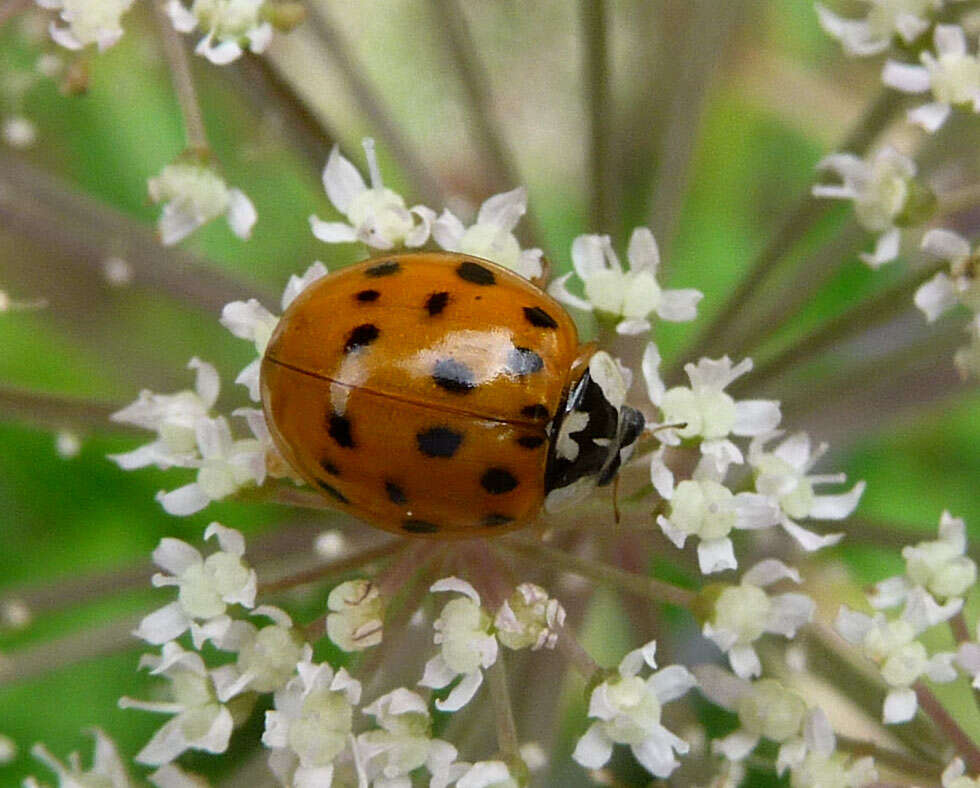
x=355 y=621
x=880 y=189
x=226 y=465
x=960 y=286
x=491 y=237
x=907 y=19
x=941 y=567
x=311 y=724
x=485 y=774
x=206 y=586
x=529 y=617
x=954 y=776
x=266 y=659
x=107 y=767
x=193 y=195
x=628 y=710
x=951 y=74
x=704 y=410
x=89 y=22
x=200 y=722
x=376 y=215
x=901 y=658
x=702 y=506
x=629 y=296
x=251 y=321
x=742 y=614
x=823 y=767
x=403 y=742
x=463 y=631
x=173 y=417
x=782 y=475
x=766 y=710
x=228 y=26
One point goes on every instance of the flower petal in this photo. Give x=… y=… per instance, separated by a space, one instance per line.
x=332 y=232
x=462 y=693
x=900 y=706
x=594 y=749
x=342 y=181
x=679 y=306
x=504 y=210
x=905 y=77
x=837 y=507
x=930 y=117
x=886 y=249
x=716 y=555
x=184 y=500
x=755 y=417
x=241 y=213
x=936 y=296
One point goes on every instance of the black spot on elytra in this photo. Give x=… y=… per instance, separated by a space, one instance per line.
x=535 y=412
x=386 y=268
x=395 y=493
x=536 y=316
x=339 y=428
x=330 y=468
x=419 y=527
x=523 y=361
x=530 y=441
x=367 y=295
x=497 y=481
x=439 y=441
x=496 y=519
x=332 y=491
x=454 y=376
x=361 y=336
x=475 y=273
x=436 y=302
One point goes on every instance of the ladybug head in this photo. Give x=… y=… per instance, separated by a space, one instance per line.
x=592 y=434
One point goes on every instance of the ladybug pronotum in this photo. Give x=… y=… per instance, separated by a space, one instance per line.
x=438 y=394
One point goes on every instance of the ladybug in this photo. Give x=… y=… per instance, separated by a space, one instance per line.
x=438 y=394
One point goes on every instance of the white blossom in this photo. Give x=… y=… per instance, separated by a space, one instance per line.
x=200 y=721
x=823 y=766
x=941 y=567
x=742 y=614
x=484 y=774
x=206 y=586
x=783 y=475
x=18 y=131
x=355 y=621
x=107 y=769
x=529 y=618
x=88 y=22
x=228 y=26
x=491 y=236
x=628 y=711
x=892 y=645
x=952 y=74
x=193 y=195
x=267 y=657
x=174 y=417
x=225 y=466
x=703 y=506
x=376 y=215
x=961 y=285
x=766 y=710
x=880 y=188
x=311 y=724
x=630 y=296
x=886 y=19
x=704 y=410
x=463 y=632
x=251 y=321
x=403 y=741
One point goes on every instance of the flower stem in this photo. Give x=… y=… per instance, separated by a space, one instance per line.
x=875 y=311
x=503 y=713
x=961 y=742
x=334 y=568
x=180 y=73
x=640 y=585
x=596 y=82
x=57 y=412
x=793 y=229
x=576 y=654
x=961 y=633
x=371 y=103
x=887 y=756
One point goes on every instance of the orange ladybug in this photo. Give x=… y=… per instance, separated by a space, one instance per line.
x=438 y=394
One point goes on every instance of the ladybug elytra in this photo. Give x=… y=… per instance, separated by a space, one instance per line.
x=439 y=394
